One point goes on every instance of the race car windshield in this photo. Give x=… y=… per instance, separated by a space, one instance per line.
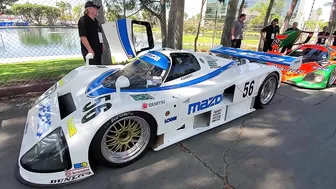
x=140 y=73
x=310 y=54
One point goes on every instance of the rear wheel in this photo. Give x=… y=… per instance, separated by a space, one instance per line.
x=122 y=140
x=332 y=78
x=267 y=91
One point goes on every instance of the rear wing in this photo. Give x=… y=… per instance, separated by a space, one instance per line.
x=292 y=62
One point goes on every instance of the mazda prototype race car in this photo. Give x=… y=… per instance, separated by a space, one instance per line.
x=115 y=113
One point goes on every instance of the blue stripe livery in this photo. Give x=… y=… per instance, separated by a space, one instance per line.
x=123 y=35
x=104 y=90
x=255 y=56
x=156 y=58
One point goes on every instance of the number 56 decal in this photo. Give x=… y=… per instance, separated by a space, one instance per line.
x=248 y=88
x=92 y=110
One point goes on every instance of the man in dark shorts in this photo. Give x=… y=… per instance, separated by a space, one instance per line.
x=237 y=31
x=323 y=36
x=271 y=31
x=90 y=33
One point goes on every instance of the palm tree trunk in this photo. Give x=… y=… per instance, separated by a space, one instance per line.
x=179 y=24
x=332 y=20
x=230 y=17
x=172 y=24
x=106 y=57
x=199 y=25
x=288 y=16
x=241 y=8
x=268 y=13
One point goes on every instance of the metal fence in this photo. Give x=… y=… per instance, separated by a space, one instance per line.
x=39 y=50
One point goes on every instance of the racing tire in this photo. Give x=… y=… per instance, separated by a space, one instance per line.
x=123 y=139
x=266 y=91
x=332 y=78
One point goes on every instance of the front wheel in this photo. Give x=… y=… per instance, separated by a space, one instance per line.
x=267 y=91
x=122 y=140
x=332 y=78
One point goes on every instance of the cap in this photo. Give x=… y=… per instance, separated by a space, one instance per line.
x=91 y=4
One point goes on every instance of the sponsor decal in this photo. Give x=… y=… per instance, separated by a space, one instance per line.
x=289 y=69
x=61 y=83
x=80 y=168
x=120 y=116
x=101 y=66
x=204 y=104
x=153 y=56
x=152 y=104
x=186 y=77
x=212 y=62
x=216 y=116
x=44 y=117
x=138 y=97
x=144 y=106
x=321 y=68
x=80 y=165
x=93 y=109
x=70 y=178
x=170 y=119
x=71 y=127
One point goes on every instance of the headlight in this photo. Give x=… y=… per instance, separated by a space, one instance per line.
x=46 y=94
x=51 y=154
x=319 y=78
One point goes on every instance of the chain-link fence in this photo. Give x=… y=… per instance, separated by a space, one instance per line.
x=39 y=41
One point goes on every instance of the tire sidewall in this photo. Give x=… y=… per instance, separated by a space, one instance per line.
x=331 y=73
x=258 y=104
x=95 y=146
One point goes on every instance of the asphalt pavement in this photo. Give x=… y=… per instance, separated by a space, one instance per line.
x=290 y=144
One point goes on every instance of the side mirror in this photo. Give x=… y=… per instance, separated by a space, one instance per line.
x=122 y=82
x=244 y=61
x=88 y=57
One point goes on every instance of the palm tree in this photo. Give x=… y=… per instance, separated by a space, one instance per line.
x=175 y=24
x=241 y=7
x=199 y=25
x=289 y=15
x=268 y=13
x=332 y=19
x=230 y=17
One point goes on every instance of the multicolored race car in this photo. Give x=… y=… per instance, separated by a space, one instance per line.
x=317 y=70
x=318 y=65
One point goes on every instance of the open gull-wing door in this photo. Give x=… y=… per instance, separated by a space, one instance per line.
x=127 y=38
x=291 y=38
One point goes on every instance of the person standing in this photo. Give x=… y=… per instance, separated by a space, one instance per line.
x=271 y=31
x=322 y=36
x=293 y=28
x=334 y=36
x=90 y=32
x=237 y=31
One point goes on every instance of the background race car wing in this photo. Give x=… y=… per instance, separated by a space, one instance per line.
x=127 y=38
x=292 y=62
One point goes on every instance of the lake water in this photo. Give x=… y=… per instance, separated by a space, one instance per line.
x=24 y=44
x=36 y=42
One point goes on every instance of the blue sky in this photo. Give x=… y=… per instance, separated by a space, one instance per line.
x=192 y=7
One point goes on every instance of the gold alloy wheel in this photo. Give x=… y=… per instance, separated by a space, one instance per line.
x=125 y=139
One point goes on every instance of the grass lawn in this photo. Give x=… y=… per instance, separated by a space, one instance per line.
x=46 y=69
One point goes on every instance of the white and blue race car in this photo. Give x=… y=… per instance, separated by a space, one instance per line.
x=115 y=113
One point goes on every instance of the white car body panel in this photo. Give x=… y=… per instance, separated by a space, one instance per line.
x=177 y=97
